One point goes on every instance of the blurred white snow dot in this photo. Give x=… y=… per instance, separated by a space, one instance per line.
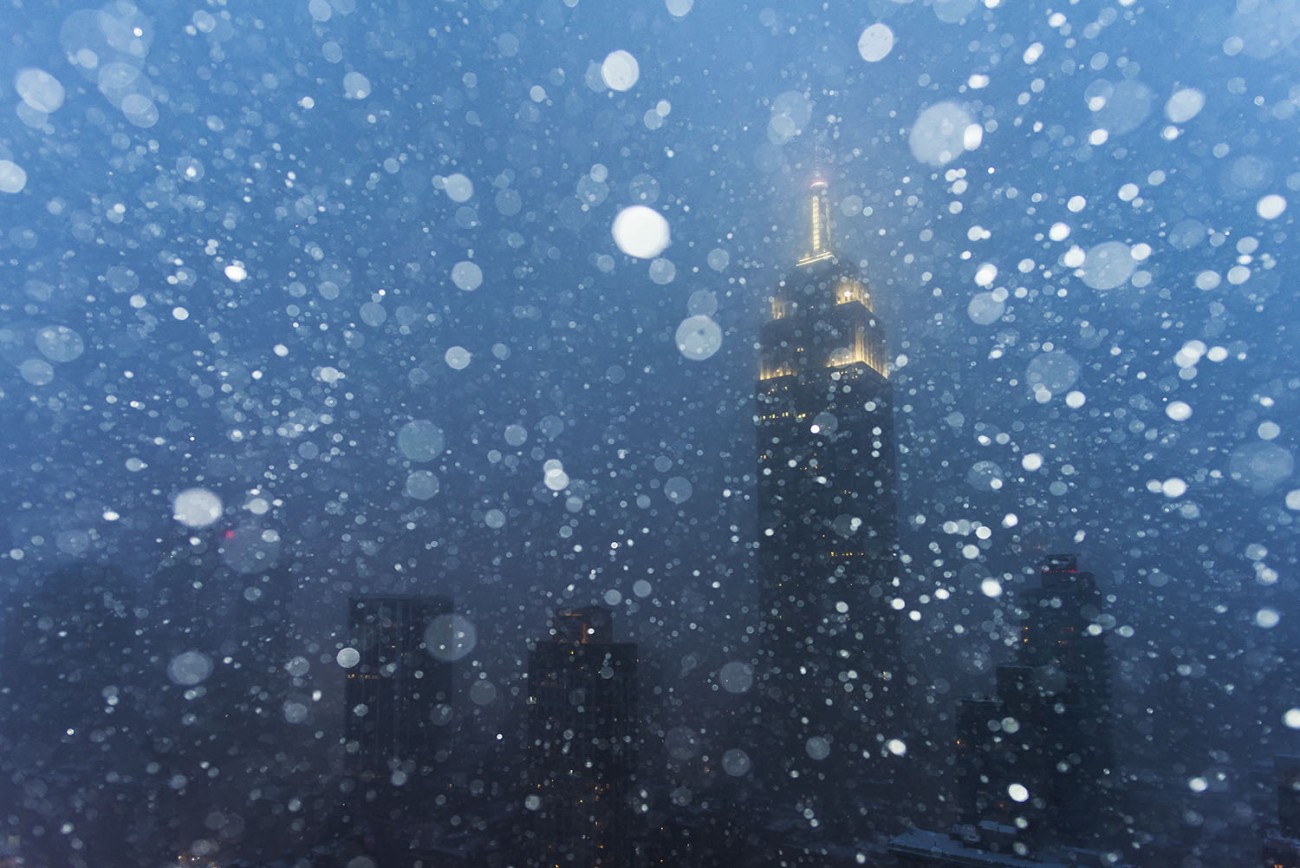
x=1018 y=793
x=953 y=11
x=817 y=747
x=1075 y=399
x=1260 y=465
x=40 y=90
x=532 y=801
x=450 y=637
x=361 y=862
x=1173 y=487
x=991 y=587
x=896 y=747
x=516 y=435
x=298 y=667
x=421 y=440
x=698 y=337
x=1053 y=371
x=348 y=657
x=942 y=132
x=1267 y=618
x=679 y=8
x=458 y=187
x=189 y=668
x=466 y=275
x=736 y=677
x=553 y=475
x=356 y=86
x=678 y=489
x=1184 y=105
x=641 y=231
x=482 y=692
x=458 y=358
x=1108 y=265
x=236 y=272
x=719 y=259
x=735 y=762
x=1179 y=411
x=294 y=712
x=196 y=507
x=59 y=343
x=985 y=308
x=1032 y=461
x=703 y=302
x=421 y=485
x=495 y=519
x=641 y=588
x=1270 y=207
x=620 y=70
x=875 y=43
x=12 y=177
x=1292 y=718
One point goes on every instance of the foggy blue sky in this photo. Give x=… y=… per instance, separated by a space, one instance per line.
x=309 y=146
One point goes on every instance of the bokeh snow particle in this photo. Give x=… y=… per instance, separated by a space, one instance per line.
x=59 y=343
x=356 y=86
x=736 y=762
x=620 y=71
x=189 y=668
x=875 y=43
x=39 y=90
x=736 y=677
x=450 y=637
x=196 y=507
x=13 y=178
x=1270 y=207
x=641 y=231
x=943 y=132
x=235 y=272
x=348 y=657
x=458 y=188
x=1184 y=105
x=678 y=489
x=421 y=485
x=1107 y=265
x=420 y=440
x=467 y=276
x=698 y=338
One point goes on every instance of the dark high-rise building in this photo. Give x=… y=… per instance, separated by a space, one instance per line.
x=583 y=736
x=1282 y=843
x=395 y=691
x=828 y=545
x=1036 y=764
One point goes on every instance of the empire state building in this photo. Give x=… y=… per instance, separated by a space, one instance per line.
x=828 y=546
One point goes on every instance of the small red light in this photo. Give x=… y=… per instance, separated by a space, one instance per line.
x=230 y=534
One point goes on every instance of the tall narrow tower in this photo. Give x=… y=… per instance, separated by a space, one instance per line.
x=828 y=544
x=583 y=740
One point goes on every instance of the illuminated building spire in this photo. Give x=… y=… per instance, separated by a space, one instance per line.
x=819 y=213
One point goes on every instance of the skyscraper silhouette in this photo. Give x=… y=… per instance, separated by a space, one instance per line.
x=583 y=736
x=394 y=690
x=828 y=534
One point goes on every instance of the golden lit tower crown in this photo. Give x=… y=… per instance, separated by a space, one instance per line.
x=819 y=213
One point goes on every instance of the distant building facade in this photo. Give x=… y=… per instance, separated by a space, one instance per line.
x=395 y=691
x=830 y=685
x=583 y=737
x=1036 y=763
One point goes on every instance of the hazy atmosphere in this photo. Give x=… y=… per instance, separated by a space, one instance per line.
x=334 y=327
